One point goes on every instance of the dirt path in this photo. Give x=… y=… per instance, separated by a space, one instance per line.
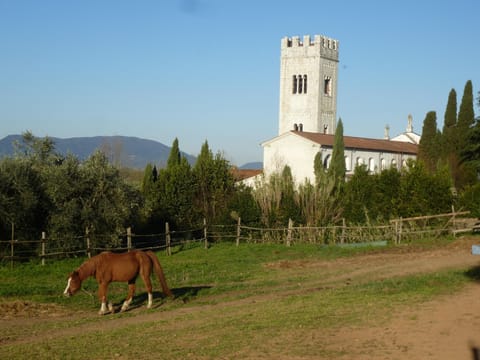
x=445 y=328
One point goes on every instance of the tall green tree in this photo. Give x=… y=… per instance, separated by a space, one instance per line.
x=288 y=208
x=359 y=196
x=318 y=168
x=466 y=114
x=429 y=147
x=337 y=167
x=465 y=173
x=449 y=136
x=214 y=183
x=175 y=156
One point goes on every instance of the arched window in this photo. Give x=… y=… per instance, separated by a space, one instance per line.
x=394 y=163
x=383 y=164
x=359 y=161
x=300 y=84
x=327 y=86
x=371 y=164
x=347 y=163
x=294 y=88
x=304 y=84
x=326 y=162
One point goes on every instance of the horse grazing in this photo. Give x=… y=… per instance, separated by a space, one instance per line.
x=108 y=267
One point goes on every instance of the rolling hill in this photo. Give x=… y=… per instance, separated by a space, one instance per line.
x=128 y=151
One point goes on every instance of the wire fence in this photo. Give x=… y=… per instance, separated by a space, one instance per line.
x=395 y=232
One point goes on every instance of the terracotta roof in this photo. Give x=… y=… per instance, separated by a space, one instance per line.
x=240 y=174
x=361 y=143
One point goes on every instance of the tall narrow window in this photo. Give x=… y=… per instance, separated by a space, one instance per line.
x=304 y=84
x=300 y=84
x=294 y=88
x=327 y=86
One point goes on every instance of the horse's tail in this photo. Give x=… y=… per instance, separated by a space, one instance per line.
x=159 y=271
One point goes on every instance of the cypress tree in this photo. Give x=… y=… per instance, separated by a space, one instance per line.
x=449 y=125
x=175 y=156
x=466 y=115
x=318 y=166
x=337 y=165
x=429 y=147
x=148 y=179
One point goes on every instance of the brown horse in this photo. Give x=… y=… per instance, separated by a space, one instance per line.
x=108 y=267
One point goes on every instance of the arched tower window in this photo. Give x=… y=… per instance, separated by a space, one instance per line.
x=327 y=86
x=299 y=84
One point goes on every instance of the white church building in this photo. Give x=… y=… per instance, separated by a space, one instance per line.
x=307 y=117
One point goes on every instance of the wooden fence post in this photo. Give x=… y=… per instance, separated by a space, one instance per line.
x=344 y=229
x=89 y=250
x=168 y=239
x=205 y=232
x=11 y=245
x=238 y=230
x=129 y=238
x=44 y=240
x=399 y=234
x=289 y=232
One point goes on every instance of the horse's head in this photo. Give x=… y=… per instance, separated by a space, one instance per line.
x=73 y=284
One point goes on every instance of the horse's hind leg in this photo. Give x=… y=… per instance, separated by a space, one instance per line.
x=148 y=285
x=131 y=293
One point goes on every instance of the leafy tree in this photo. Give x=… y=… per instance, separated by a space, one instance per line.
x=385 y=194
x=242 y=204
x=214 y=183
x=423 y=194
x=22 y=200
x=177 y=194
x=359 y=194
x=107 y=202
x=39 y=151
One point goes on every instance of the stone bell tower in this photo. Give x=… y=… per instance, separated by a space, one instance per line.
x=308 y=84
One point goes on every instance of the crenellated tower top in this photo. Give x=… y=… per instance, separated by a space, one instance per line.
x=319 y=45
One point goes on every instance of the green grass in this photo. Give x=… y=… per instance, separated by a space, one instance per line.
x=228 y=301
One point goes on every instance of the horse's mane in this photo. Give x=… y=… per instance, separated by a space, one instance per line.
x=88 y=267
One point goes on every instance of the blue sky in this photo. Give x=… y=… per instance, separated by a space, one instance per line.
x=201 y=70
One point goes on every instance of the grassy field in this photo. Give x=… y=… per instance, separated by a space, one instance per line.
x=228 y=301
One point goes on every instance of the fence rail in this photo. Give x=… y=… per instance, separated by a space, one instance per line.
x=395 y=232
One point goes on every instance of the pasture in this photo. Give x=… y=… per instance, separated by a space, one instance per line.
x=256 y=301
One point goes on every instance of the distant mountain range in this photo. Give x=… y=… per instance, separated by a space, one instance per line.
x=128 y=151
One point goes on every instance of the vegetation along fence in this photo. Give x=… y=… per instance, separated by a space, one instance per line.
x=396 y=231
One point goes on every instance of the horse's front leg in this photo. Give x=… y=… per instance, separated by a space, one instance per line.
x=131 y=293
x=102 y=296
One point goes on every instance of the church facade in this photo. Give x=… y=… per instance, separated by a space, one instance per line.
x=307 y=117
